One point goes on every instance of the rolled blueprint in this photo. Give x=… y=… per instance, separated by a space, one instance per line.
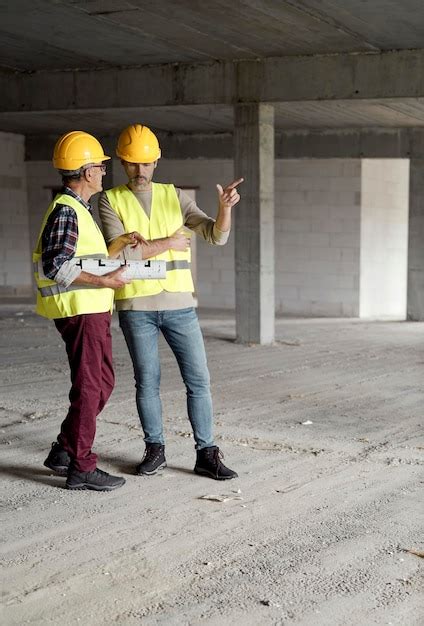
x=133 y=269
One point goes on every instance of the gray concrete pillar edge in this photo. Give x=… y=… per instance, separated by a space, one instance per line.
x=415 y=297
x=254 y=223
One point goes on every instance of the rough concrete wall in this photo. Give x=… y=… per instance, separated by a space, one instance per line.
x=41 y=179
x=317 y=236
x=384 y=238
x=16 y=270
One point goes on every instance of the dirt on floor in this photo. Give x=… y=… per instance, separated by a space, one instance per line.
x=324 y=428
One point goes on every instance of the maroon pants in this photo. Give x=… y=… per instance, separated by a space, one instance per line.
x=89 y=348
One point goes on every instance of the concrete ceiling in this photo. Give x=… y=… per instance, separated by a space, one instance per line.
x=49 y=36
x=45 y=35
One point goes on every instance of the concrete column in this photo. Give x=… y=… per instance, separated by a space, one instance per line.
x=15 y=250
x=254 y=223
x=415 y=305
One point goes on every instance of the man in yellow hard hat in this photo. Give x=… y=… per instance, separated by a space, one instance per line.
x=80 y=305
x=161 y=214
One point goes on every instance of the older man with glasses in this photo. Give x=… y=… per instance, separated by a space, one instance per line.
x=80 y=305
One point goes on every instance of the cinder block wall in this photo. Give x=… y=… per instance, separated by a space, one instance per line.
x=42 y=179
x=317 y=213
x=16 y=269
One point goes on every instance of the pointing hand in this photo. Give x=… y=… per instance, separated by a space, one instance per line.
x=229 y=196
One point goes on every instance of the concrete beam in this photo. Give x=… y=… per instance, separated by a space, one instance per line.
x=325 y=144
x=396 y=74
x=351 y=143
x=181 y=146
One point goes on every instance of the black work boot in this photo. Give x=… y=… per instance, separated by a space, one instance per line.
x=97 y=480
x=153 y=459
x=209 y=463
x=58 y=459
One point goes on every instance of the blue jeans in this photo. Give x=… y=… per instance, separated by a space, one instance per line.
x=182 y=332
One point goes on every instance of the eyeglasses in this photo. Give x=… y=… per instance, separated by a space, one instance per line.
x=102 y=166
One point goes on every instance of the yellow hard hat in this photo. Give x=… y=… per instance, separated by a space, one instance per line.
x=137 y=144
x=76 y=149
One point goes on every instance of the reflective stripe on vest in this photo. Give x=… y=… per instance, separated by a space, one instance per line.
x=55 y=289
x=177 y=265
x=165 y=218
x=55 y=301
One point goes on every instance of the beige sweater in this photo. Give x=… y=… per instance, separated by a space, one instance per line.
x=194 y=219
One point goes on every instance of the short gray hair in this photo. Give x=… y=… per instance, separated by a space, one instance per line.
x=71 y=174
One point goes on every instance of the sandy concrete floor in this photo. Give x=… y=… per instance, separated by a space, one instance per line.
x=316 y=528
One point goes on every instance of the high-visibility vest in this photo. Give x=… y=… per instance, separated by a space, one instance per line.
x=56 y=301
x=165 y=218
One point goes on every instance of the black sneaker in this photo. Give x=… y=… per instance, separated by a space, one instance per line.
x=153 y=459
x=96 y=480
x=58 y=459
x=209 y=463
